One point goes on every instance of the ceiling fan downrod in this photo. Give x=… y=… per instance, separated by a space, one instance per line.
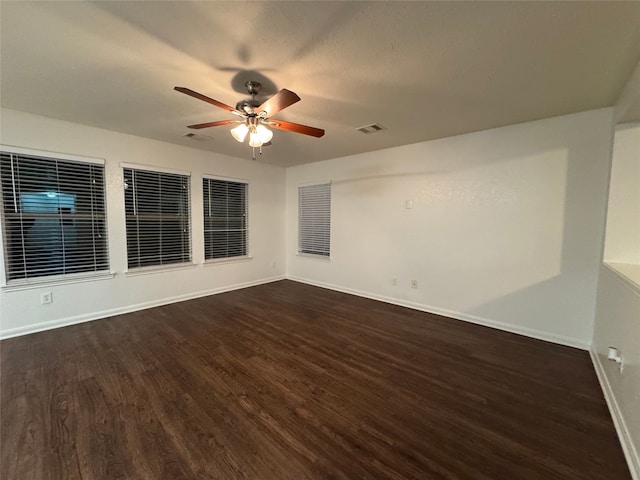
x=253 y=88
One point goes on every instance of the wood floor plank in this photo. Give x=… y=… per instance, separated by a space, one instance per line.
x=290 y=381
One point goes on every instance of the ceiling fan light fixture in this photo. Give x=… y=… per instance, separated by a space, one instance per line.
x=255 y=116
x=240 y=132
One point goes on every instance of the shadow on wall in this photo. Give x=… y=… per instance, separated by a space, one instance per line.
x=510 y=231
x=571 y=294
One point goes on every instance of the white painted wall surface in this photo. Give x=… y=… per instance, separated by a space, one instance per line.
x=21 y=312
x=506 y=228
x=622 y=244
x=618 y=325
x=617 y=321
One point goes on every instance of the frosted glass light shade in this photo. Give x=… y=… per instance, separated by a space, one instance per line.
x=254 y=140
x=240 y=132
x=264 y=134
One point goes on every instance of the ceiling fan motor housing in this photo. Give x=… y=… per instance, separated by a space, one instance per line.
x=248 y=106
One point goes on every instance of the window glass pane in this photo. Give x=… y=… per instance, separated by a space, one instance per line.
x=157 y=213
x=314 y=219
x=225 y=218
x=53 y=215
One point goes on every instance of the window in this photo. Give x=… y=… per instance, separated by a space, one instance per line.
x=225 y=218
x=157 y=213
x=314 y=219
x=54 y=216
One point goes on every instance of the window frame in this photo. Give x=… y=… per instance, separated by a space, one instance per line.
x=63 y=278
x=300 y=251
x=237 y=258
x=141 y=270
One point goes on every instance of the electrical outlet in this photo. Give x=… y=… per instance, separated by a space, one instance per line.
x=414 y=284
x=46 y=298
x=394 y=281
x=615 y=355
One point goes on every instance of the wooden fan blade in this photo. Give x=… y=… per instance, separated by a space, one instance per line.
x=212 y=124
x=296 y=127
x=279 y=101
x=204 y=98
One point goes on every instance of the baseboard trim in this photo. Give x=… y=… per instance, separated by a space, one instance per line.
x=40 y=327
x=629 y=449
x=528 y=332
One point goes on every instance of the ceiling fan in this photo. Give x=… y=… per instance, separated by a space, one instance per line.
x=255 y=116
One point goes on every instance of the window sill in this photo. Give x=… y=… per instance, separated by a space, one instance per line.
x=218 y=261
x=60 y=280
x=159 y=269
x=311 y=256
x=629 y=273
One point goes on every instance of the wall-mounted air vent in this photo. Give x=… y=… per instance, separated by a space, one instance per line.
x=198 y=136
x=373 y=128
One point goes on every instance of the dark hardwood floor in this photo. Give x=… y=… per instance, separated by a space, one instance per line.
x=290 y=381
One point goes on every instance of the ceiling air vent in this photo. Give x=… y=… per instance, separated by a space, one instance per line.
x=373 y=128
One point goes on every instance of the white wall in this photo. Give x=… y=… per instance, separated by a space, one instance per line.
x=622 y=244
x=618 y=324
x=617 y=320
x=506 y=228
x=21 y=312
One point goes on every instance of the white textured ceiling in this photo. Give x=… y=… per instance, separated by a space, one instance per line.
x=423 y=70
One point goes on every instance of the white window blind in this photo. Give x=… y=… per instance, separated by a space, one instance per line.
x=54 y=216
x=158 y=218
x=225 y=218
x=314 y=219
